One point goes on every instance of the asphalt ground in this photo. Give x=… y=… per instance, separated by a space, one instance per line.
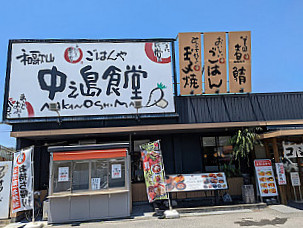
x=271 y=216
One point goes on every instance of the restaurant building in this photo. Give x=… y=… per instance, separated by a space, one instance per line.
x=86 y=159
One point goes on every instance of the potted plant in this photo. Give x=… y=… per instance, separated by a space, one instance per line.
x=243 y=143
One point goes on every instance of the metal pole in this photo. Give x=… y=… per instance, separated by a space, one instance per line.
x=295 y=193
x=33 y=183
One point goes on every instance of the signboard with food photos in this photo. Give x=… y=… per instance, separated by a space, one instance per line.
x=153 y=171
x=265 y=177
x=194 y=182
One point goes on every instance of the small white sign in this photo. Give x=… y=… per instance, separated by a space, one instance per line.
x=63 y=174
x=295 y=179
x=95 y=183
x=281 y=173
x=116 y=171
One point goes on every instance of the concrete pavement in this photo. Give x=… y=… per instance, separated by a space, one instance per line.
x=271 y=216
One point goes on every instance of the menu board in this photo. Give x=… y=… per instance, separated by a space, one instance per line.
x=265 y=177
x=194 y=182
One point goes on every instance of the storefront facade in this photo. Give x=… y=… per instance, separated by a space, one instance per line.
x=194 y=131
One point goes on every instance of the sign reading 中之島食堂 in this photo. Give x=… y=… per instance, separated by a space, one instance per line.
x=190 y=63
x=239 y=61
x=215 y=62
x=88 y=78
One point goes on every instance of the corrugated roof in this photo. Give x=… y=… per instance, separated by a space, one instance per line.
x=240 y=107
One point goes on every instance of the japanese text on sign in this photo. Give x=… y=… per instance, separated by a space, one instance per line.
x=215 y=62
x=190 y=63
x=89 y=79
x=240 y=62
x=292 y=150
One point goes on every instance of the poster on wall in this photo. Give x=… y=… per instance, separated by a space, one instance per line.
x=239 y=54
x=190 y=63
x=215 y=80
x=5 y=183
x=295 y=179
x=194 y=182
x=281 y=174
x=22 y=189
x=63 y=174
x=116 y=171
x=265 y=177
x=88 y=78
x=153 y=171
x=95 y=183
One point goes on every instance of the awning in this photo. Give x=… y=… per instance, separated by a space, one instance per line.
x=89 y=154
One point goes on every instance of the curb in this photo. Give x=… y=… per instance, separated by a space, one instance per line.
x=222 y=208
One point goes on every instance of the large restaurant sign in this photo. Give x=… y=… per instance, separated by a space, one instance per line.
x=86 y=78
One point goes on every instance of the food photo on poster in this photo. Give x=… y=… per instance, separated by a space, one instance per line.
x=153 y=171
x=193 y=182
x=265 y=178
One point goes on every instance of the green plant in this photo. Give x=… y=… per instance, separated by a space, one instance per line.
x=243 y=143
x=231 y=171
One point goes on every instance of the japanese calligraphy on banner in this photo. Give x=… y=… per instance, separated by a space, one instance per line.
x=88 y=78
x=239 y=61
x=281 y=173
x=215 y=62
x=5 y=183
x=265 y=177
x=22 y=192
x=153 y=171
x=194 y=182
x=292 y=150
x=190 y=63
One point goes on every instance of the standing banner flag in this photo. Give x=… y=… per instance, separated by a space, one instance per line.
x=239 y=61
x=153 y=171
x=22 y=189
x=215 y=62
x=190 y=63
x=5 y=183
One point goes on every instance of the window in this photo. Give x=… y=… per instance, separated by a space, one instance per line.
x=89 y=175
x=216 y=153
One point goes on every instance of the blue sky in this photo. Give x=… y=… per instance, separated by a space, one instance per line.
x=276 y=29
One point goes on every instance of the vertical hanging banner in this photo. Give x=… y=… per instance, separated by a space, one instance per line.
x=22 y=192
x=239 y=62
x=215 y=62
x=5 y=183
x=190 y=63
x=153 y=171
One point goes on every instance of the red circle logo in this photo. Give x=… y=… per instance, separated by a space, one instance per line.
x=73 y=54
x=20 y=158
x=158 y=52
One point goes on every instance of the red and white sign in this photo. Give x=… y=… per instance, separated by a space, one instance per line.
x=22 y=194
x=265 y=177
x=281 y=173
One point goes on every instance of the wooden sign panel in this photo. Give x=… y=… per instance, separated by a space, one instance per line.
x=190 y=63
x=239 y=62
x=215 y=62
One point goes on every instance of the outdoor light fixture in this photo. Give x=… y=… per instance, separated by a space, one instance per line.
x=55 y=108
x=217 y=91
x=137 y=105
x=242 y=90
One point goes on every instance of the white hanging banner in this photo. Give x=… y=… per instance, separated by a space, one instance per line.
x=5 y=183
x=281 y=174
x=22 y=192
